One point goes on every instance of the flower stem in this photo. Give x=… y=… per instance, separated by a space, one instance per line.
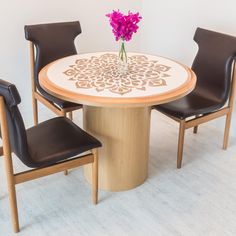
x=122 y=53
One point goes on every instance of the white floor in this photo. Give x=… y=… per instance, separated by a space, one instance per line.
x=199 y=199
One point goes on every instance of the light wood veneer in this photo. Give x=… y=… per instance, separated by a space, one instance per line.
x=124 y=132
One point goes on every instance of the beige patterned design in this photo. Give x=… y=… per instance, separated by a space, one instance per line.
x=102 y=73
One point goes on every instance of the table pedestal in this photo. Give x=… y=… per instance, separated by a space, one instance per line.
x=124 y=133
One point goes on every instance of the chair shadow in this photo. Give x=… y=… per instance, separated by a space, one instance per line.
x=163 y=155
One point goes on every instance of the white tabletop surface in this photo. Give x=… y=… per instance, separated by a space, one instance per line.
x=96 y=74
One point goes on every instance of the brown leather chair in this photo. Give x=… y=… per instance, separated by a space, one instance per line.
x=48 y=148
x=51 y=41
x=214 y=66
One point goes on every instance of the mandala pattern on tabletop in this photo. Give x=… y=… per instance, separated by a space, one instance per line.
x=102 y=73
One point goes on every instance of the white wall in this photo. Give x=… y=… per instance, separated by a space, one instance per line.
x=96 y=32
x=168 y=28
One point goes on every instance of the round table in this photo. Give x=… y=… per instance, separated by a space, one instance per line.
x=117 y=107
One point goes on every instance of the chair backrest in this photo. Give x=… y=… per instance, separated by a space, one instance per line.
x=52 y=41
x=213 y=63
x=16 y=127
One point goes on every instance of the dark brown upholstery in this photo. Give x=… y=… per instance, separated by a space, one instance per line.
x=213 y=96
x=59 y=138
x=48 y=148
x=47 y=143
x=213 y=67
x=53 y=41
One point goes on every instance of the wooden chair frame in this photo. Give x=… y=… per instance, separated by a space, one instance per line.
x=200 y=119
x=14 y=179
x=37 y=96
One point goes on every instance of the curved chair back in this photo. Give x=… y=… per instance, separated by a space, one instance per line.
x=53 y=41
x=213 y=63
x=16 y=127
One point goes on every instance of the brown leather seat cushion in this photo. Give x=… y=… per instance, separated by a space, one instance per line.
x=57 y=139
x=213 y=67
x=190 y=105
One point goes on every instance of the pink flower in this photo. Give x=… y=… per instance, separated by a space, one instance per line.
x=123 y=26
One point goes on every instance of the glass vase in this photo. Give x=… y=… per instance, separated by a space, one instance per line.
x=123 y=59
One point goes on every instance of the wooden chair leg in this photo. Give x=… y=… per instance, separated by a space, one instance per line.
x=8 y=166
x=227 y=129
x=63 y=113
x=35 y=111
x=70 y=115
x=95 y=177
x=195 y=128
x=12 y=193
x=1 y=151
x=180 y=143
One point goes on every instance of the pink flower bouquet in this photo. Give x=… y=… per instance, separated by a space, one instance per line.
x=123 y=27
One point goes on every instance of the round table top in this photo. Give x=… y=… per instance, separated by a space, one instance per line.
x=94 y=79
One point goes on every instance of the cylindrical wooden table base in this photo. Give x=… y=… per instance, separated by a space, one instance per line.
x=124 y=133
